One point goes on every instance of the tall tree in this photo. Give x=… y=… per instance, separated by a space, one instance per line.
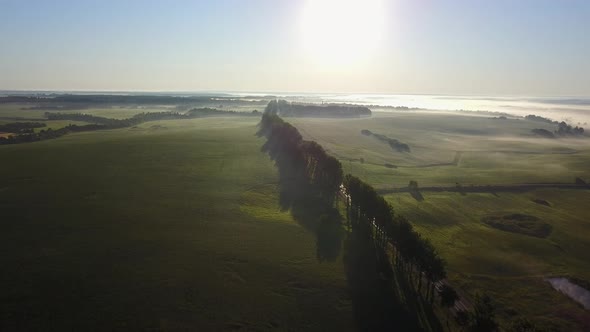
x=448 y=297
x=483 y=318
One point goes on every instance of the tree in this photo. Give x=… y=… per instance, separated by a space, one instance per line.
x=448 y=297
x=414 y=191
x=522 y=325
x=462 y=318
x=483 y=318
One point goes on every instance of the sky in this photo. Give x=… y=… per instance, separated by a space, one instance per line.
x=457 y=47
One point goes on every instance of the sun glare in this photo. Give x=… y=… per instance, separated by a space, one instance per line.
x=342 y=32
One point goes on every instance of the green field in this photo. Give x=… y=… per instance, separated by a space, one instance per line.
x=510 y=267
x=174 y=227
x=493 y=151
x=11 y=111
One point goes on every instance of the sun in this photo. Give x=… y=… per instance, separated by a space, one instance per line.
x=342 y=32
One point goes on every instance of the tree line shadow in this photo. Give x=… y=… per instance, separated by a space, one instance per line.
x=309 y=184
x=383 y=299
x=315 y=215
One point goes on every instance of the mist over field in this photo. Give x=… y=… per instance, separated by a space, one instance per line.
x=570 y=109
x=302 y=165
x=350 y=204
x=575 y=110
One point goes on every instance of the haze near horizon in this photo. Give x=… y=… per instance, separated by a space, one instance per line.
x=535 y=48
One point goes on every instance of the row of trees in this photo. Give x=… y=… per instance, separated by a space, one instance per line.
x=307 y=165
x=27 y=135
x=20 y=127
x=24 y=132
x=115 y=123
x=48 y=134
x=290 y=109
x=538 y=118
x=212 y=112
x=563 y=129
x=393 y=143
x=301 y=163
x=146 y=117
x=412 y=254
x=374 y=217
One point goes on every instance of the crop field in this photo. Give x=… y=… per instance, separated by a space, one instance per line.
x=509 y=266
x=173 y=225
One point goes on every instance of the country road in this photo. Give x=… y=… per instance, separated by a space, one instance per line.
x=522 y=187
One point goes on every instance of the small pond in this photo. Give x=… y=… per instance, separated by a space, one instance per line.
x=577 y=293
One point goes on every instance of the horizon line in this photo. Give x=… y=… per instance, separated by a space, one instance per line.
x=277 y=93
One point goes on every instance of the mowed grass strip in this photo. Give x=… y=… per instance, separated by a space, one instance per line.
x=173 y=228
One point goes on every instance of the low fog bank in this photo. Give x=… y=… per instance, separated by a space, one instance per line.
x=575 y=111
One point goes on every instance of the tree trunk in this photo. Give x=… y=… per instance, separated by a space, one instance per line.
x=419 y=283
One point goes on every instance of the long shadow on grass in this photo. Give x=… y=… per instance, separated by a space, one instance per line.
x=417 y=195
x=376 y=304
x=315 y=215
x=382 y=297
x=415 y=302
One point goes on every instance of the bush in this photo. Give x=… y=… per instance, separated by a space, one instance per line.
x=519 y=223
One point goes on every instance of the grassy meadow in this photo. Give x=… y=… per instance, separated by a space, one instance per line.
x=11 y=111
x=173 y=225
x=510 y=267
x=492 y=151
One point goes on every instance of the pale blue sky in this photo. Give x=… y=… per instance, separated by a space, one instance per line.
x=499 y=47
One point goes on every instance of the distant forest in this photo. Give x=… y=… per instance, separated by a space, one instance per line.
x=289 y=109
x=71 y=101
